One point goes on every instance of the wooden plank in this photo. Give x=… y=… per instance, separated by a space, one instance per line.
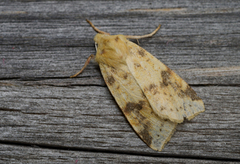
x=43 y=43
x=88 y=117
x=203 y=41
x=22 y=154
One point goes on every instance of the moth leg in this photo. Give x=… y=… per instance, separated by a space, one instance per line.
x=85 y=65
x=143 y=36
x=96 y=29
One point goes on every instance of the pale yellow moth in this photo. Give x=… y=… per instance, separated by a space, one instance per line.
x=153 y=98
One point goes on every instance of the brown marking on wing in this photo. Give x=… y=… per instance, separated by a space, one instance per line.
x=110 y=80
x=166 y=77
x=131 y=106
x=113 y=70
x=141 y=52
x=137 y=65
x=153 y=88
x=181 y=94
x=162 y=108
x=139 y=105
x=191 y=93
x=125 y=76
x=146 y=136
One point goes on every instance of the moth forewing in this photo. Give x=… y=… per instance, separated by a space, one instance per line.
x=153 y=130
x=168 y=94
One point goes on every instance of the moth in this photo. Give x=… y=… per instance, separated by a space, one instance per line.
x=152 y=97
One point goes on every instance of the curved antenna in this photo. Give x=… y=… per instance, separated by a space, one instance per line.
x=96 y=29
x=143 y=36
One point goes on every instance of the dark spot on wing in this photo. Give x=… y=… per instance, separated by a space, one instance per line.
x=181 y=94
x=162 y=108
x=113 y=70
x=131 y=106
x=110 y=80
x=141 y=52
x=146 y=136
x=160 y=130
x=137 y=65
x=116 y=39
x=166 y=77
x=153 y=88
x=176 y=109
x=125 y=76
x=191 y=93
x=118 y=87
x=139 y=105
x=178 y=85
x=171 y=109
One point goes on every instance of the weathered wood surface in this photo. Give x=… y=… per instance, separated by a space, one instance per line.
x=43 y=43
x=22 y=154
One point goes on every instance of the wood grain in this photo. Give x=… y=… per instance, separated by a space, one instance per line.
x=42 y=43
x=22 y=154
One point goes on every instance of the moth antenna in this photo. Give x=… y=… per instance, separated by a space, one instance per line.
x=85 y=65
x=138 y=42
x=96 y=29
x=143 y=36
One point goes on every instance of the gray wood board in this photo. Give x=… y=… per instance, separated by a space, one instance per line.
x=43 y=43
x=88 y=117
x=22 y=154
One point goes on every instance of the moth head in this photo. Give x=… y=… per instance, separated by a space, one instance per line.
x=111 y=49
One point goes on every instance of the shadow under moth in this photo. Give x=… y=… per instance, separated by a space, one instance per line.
x=152 y=97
